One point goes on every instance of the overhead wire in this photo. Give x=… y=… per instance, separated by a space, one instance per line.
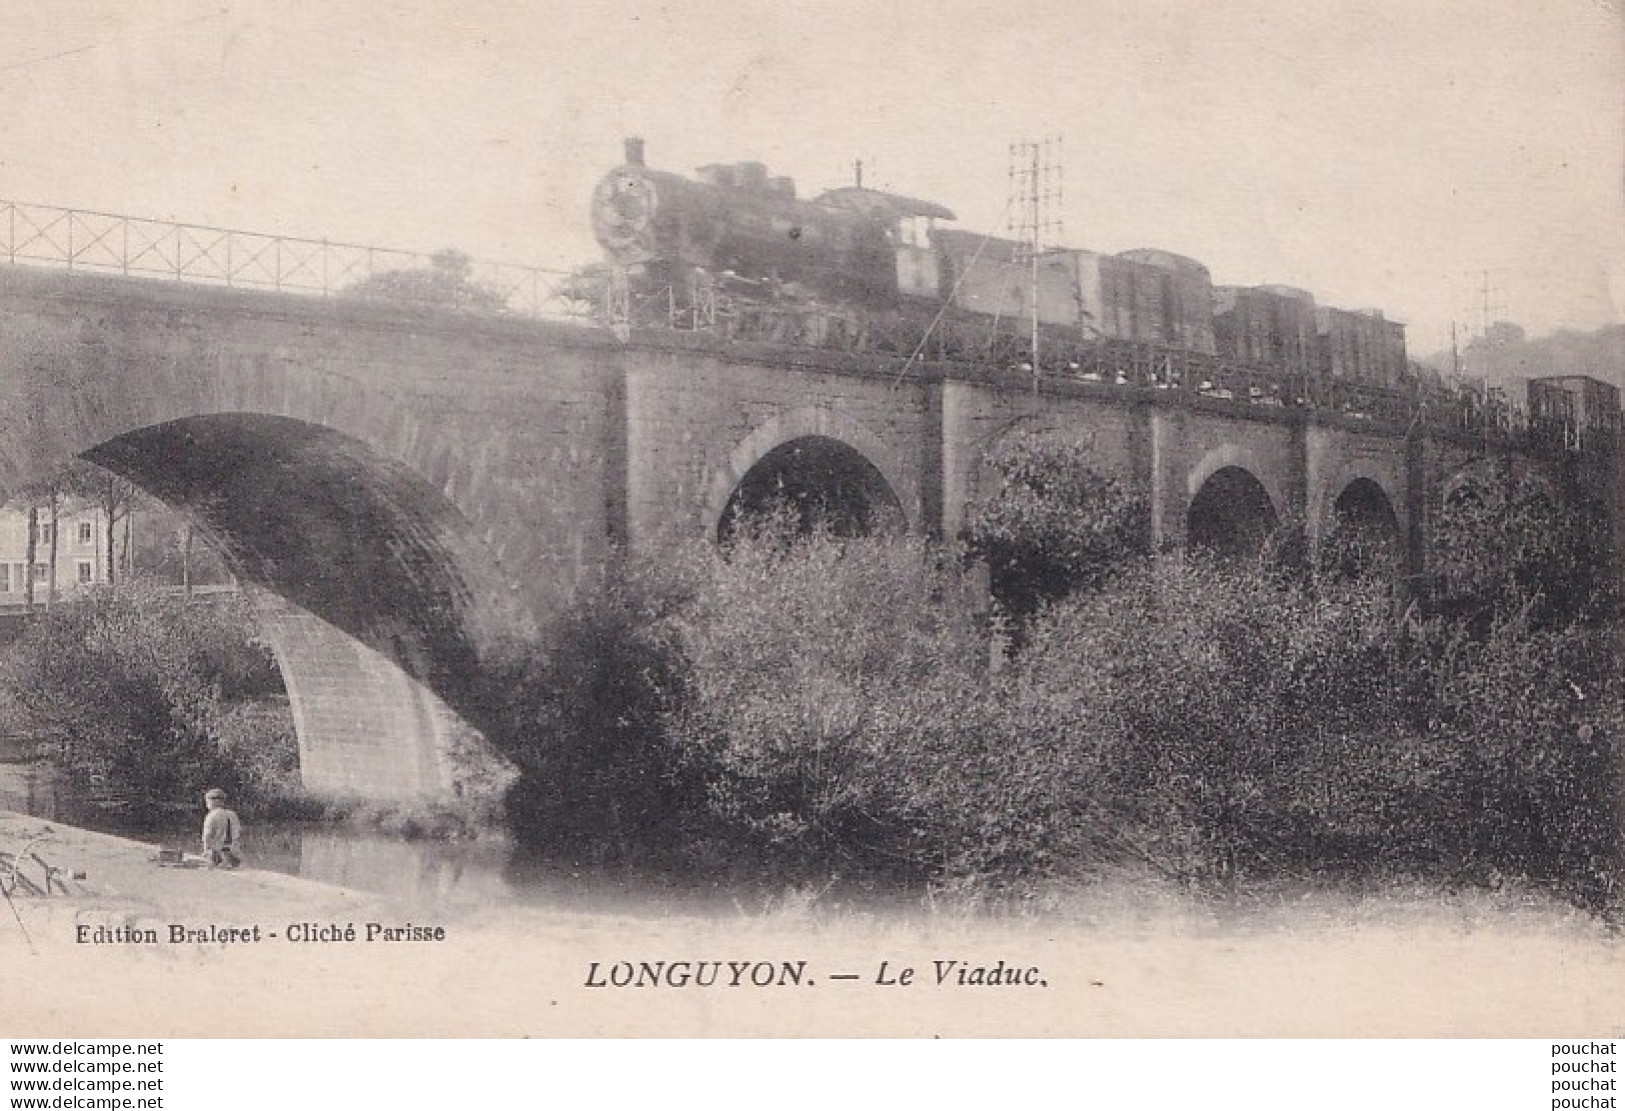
x=942 y=311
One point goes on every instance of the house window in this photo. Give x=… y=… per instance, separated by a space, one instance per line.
x=41 y=572
x=85 y=535
x=45 y=532
x=84 y=571
x=5 y=578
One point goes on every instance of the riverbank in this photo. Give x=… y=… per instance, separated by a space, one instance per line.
x=99 y=880
x=263 y=954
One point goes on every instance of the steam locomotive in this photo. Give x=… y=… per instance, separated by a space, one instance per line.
x=854 y=268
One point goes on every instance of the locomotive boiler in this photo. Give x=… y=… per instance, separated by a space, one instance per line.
x=739 y=226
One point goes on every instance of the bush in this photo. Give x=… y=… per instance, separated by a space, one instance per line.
x=1530 y=737
x=798 y=705
x=1234 y=723
x=1498 y=548
x=142 y=692
x=789 y=703
x=259 y=749
x=831 y=689
x=581 y=714
x=1212 y=708
x=1054 y=525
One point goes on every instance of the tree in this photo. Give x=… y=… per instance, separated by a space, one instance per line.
x=835 y=694
x=448 y=281
x=53 y=502
x=114 y=496
x=1053 y=524
x=581 y=715
x=148 y=693
x=32 y=551
x=47 y=492
x=179 y=551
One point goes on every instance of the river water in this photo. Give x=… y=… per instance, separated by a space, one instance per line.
x=428 y=872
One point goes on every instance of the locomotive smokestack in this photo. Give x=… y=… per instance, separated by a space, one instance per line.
x=634 y=152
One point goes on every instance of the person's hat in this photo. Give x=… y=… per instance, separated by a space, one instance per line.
x=215 y=793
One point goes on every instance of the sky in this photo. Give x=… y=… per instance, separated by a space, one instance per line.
x=1380 y=153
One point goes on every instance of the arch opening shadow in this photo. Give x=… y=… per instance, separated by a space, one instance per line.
x=1466 y=494
x=1231 y=517
x=321 y=520
x=385 y=603
x=1365 y=533
x=822 y=483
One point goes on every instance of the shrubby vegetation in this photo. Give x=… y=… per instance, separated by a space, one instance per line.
x=1053 y=525
x=1235 y=724
x=807 y=704
x=787 y=700
x=144 y=693
x=1503 y=545
x=583 y=719
x=796 y=705
x=829 y=692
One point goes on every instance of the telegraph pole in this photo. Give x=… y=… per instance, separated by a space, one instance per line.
x=1484 y=299
x=1035 y=198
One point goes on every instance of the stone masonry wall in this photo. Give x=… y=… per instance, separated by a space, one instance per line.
x=532 y=452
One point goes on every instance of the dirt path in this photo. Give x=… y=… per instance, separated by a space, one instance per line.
x=1114 y=966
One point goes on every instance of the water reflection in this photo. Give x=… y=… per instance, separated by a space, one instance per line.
x=438 y=873
x=422 y=871
x=39 y=790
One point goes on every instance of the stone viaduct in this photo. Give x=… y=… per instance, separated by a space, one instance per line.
x=408 y=489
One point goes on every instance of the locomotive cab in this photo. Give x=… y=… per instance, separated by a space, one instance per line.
x=908 y=225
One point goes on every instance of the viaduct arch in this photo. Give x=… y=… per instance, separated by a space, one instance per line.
x=822 y=455
x=410 y=489
x=368 y=582
x=1364 y=506
x=367 y=528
